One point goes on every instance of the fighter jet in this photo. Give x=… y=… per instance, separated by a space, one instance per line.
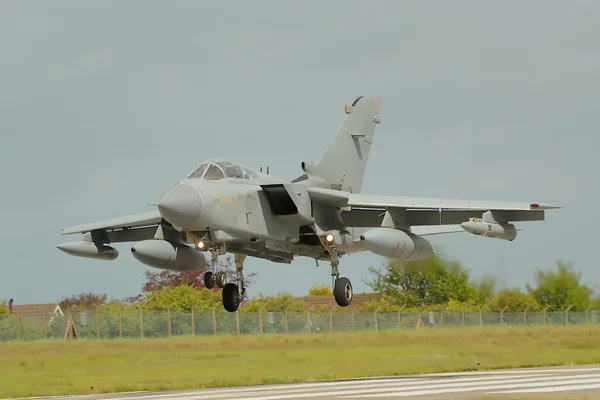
x=225 y=207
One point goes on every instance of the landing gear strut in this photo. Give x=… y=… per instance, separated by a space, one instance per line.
x=234 y=293
x=213 y=276
x=342 y=287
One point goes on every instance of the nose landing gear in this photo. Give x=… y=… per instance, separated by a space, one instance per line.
x=214 y=277
x=234 y=293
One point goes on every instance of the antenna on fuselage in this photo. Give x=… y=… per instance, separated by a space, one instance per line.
x=261 y=169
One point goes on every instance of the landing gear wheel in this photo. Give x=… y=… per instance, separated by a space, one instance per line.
x=342 y=292
x=221 y=279
x=209 y=282
x=231 y=298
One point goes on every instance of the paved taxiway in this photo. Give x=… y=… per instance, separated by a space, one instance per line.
x=576 y=381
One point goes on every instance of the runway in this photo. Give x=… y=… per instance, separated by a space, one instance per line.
x=577 y=381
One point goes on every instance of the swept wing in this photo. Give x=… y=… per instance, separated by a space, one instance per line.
x=361 y=210
x=132 y=227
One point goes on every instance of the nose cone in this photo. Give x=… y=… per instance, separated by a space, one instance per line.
x=182 y=206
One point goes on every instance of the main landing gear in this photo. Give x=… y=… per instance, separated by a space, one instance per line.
x=233 y=293
x=342 y=287
x=214 y=277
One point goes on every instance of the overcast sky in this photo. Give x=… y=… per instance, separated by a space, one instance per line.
x=104 y=104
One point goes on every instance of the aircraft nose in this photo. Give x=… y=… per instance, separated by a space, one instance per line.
x=182 y=206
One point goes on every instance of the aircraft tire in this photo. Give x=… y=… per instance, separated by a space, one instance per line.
x=221 y=279
x=208 y=280
x=231 y=300
x=343 y=292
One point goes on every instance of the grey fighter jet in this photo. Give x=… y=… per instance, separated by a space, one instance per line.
x=225 y=207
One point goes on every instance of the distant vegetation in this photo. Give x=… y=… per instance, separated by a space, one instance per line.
x=4 y=307
x=432 y=285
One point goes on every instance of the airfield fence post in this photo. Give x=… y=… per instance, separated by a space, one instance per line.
x=309 y=319
x=193 y=321
x=502 y=315
x=18 y=326
x=567 y=315
x=141 y=323
x=169 y=320
x=98 y=321
x=420 y=323
x=481 y=316
x=260 y=319
x=525 y=315
x=285 y=320
x=544 y=311
x=121 y=323
x=353 y=321
x=587 y=314
x=45 y=328
x=441 y=318
x=331 y=319
x=214 y=315
x=376 y=318
x=400 y=316
x=462 y=317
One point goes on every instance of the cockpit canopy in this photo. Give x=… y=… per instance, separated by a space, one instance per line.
x=213 y=170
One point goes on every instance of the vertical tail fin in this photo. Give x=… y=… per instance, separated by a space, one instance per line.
x=345 y=159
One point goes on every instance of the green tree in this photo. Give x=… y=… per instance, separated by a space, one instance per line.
x=156 y=280
x=486 y=288
x=471 y=305
x=278 y=303
x=4 y=307
x=322 y=290
x=116 y=305
x=82 y=302
x=380 y=304
x=560 y=288
x=181 y=298
x=595 y=303
x=432 y=281
x=514 y=300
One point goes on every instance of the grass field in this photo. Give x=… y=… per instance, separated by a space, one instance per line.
x=71 y=367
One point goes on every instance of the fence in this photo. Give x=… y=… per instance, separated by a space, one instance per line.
x=139 y=324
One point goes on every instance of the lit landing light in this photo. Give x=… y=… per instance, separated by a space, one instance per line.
x=329 y=238
x=200 y=245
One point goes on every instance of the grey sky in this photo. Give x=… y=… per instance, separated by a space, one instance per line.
x=104 y=104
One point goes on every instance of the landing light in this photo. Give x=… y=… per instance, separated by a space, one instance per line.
x=200 y=245
x=329 y=238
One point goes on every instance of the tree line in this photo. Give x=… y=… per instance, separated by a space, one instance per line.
x=434 y=284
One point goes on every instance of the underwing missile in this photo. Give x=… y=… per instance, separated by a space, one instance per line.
x=492 y=229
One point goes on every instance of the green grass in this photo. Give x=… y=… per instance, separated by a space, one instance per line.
x=71 y=367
